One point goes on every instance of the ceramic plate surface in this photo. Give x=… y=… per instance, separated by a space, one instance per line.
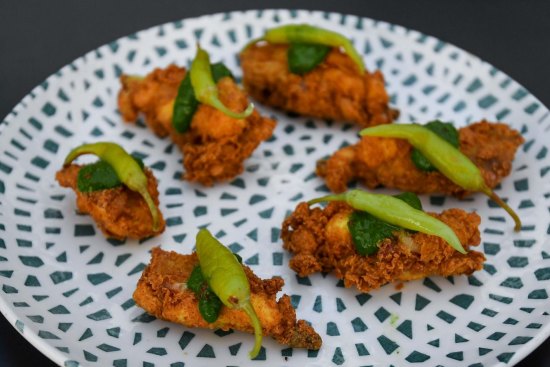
x=69 y=291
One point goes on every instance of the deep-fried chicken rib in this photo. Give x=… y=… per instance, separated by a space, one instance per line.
x=387 y=162
x=216 y=145
x=321 y=242
x=118 y=212
x=162 y=292
x=334 y=89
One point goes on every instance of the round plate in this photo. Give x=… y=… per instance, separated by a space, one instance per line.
x=68 y=290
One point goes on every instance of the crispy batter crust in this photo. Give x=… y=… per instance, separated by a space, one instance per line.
x=334 y=90
x=387 y=162
x=161 y=291
x=320 y=241
x=118 y=212
x=216 y=145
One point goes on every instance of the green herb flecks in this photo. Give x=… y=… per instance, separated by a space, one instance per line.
x=185 y=106
x=99 y=176
x=368 y=231
x=304 y=57
x=219 y=70
x=239 y=258
x=186 y=103
x=411 y=199
x=209 y=304
x=444 y=130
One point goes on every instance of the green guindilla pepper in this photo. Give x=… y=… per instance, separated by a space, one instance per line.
x=305 y=33
x=186 y=104
x=445 y=131
x=450 y=161
x=99 y=176
x=126 y=167
x=227 y=278
x=209 y=303
x=367 y=231
x=205 y=87
x=397 y=212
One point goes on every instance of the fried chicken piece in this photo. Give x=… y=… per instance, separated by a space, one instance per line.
x=163 y=293
x=387 y=162
x=321 y=242
x=335 y=89
x=119 y=212
x=216 y=145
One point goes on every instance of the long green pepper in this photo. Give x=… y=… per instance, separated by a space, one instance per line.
x=450 y=161
x=205 y=88
x=395 y=211
x=444 y=130
x=305 y=33
x=367 y=231
x=226 y=277
x=125 y=166
x=186 y=104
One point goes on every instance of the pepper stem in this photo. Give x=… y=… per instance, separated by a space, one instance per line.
x=504 y=206
x=215 y=102
x=77 y=152
x=152 y=208
x=337 y=197
x=249 y=310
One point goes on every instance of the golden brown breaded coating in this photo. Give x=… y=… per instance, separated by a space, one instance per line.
x=335 y=89
x=215 y=145
x=387 y=162
x=119 y=212
x=320 y=241
x=162 y=292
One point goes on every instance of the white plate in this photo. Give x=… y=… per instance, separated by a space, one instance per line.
x=68 y=290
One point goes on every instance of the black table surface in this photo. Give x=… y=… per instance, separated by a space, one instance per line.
x=38 y=37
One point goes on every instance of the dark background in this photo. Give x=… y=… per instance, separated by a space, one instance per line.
x=38 y=37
